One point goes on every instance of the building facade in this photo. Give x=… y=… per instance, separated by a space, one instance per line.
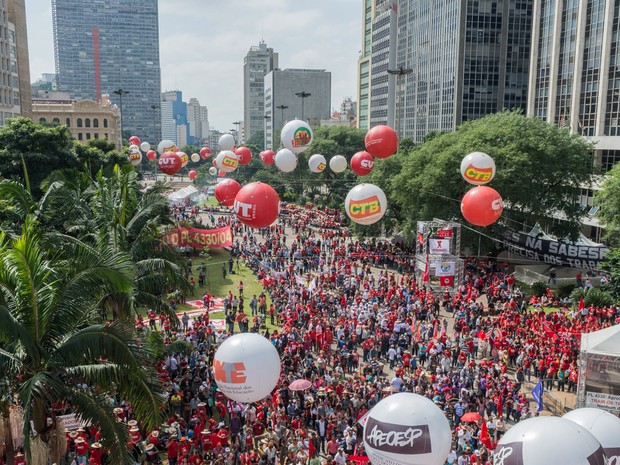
x=198 y=121
x=379 y=60
x=259 y=61
x=102 y=47
x=86 y=119
x=283 y=105
x=174 y=124
x=363 y=67
x=19 y=51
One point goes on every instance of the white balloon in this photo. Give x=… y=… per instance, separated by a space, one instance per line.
x=365 y=204
x=478 y=168
x=227 y=161
x=227 y=142
x=407 y=429
x=145 y=146
x=547 y=440
x=604 y=426
x=135 y=158
x=184 y=159
x=246 y=367
x=195 y=157
x=286 y=160
x=296 y=136
x=213 y=171
x=166 y=146
x=338 y=164
x=133 y=148
x=317 y=163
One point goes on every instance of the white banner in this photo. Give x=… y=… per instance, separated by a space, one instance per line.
x=602 y=401
x=445 y=269
x=71 y=422
x=439 y=246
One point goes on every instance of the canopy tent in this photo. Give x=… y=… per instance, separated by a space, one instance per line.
x=603 y=342
x=187 y=192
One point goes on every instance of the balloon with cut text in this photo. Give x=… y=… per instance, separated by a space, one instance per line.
x=226 y=191
x=145 y=147
x=604 y=426
x=167 y=145
x=257 y=205
x=244 y=154
x=407 y=429
x=226 y=142
x=268 y=157
x=381 y=141
x=195 y=157
x=227 y=161
x=362 y=163
x=286 y=160
x=192 y=175
x=548 y=440
x=169 y=163
x=317 y=163
x=482 y=206
x=338 y=163
x=246 y=367
x=213 y=171
x=205 y=153
x=296 y=136
x=478 y=168
x=134 y=140
x=151 y=155
x=365 y=204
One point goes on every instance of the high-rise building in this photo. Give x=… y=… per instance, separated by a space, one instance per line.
x=295 y=93
x=379 y=60
x=18 y=50
x=259 y=61
x=174 y=124
x=198 y=121
x=103 y=47
x=363 y=66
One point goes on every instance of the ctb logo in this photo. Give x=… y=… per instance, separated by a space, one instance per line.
x=364 y=208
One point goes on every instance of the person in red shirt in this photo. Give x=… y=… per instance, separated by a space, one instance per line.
x=19 y=459
x=172 y=451
x=134 y=434
x=81 y=449
x=95 y=453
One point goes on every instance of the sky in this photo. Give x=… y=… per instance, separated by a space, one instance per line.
x=203 y=43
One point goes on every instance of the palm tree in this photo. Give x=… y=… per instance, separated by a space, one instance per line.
x=48 y=299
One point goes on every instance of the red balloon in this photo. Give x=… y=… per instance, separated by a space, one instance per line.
x=192 y=175
x=226 y=191
x=257 y=205
x=268 y=157
x=482 y=206
x=214 y=162
x=381 y=141
x=362 y=163
x=244 y=154
x=221 y=174
x=151 y=155
x=169 y=163
x=134 y=140
x=205 y=153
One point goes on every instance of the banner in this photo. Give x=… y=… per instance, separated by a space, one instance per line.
x=439 y=246
x=200 y=238
x=554 y=252
x=444 y=233
x=602 y=401
x=71 y=422
x=446 y=281
x=445 y=269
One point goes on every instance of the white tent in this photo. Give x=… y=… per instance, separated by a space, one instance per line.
x=187 y=192
x=603 y=342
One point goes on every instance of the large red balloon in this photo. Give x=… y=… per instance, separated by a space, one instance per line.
x=381 y=141
x=226 y=191
x=205 y=153
x=169 y=163
x=257 y=205
x=244 y=154
x=482 y=206
x=362 y=163
x=268 y=157
x=151 y=155
x=192 y=175
x=134 y=140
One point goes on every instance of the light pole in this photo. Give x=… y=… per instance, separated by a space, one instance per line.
x=120 y=93
x=154 y=107
x=303 y=96
x=282 y=108
x=399 y=72
x=237 y=126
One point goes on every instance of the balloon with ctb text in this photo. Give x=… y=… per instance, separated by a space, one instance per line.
x=365 y=204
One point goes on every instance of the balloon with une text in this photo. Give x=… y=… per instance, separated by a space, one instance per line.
x=169 y=163
x=145 y=147
x=244 y=154
x=257 y=205
x=381 y=141
x=195 y=157
x=407 y=429
x=226 y=191
x=482 y=206
x=167 y=145
x=478 y=168
x=317 y=163
x=604 y=426
x=296 y=136
x=151 y=155
x=268 y=157
x=246 y=367
x=134 y=140
x=338 y=164
x=362 y=163
x=365 y=204
x=205 y=153
x=286 y=160
x=227 y=142
x=192 y=174
x=227 y=161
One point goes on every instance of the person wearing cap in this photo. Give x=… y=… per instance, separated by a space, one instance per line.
x=172 y=450
x=340 y=458
x=134 y=434
x=81 y=449
x=95 y=453
x=19 y=458
x=152 y=455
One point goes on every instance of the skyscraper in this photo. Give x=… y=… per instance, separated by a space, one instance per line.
x=174 y=125
x=363 y=67
x=19 y=52
x=198 y=121
x=259 y=61
x=102 y=47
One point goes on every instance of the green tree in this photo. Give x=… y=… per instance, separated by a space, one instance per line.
x=48 y=300
x=609 y=200
x=540 y=169
x=99 y=154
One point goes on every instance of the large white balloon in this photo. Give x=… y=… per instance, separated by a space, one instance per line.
x=365 y=204
x=548 y=440
x=604 y=426
x=195 y=157
x=478 y=168
x=246 y=367
x=135 y=156
x=407 y=429
x=167 y=145
x=213 y=171
x=296 y=136
x=338 y=164
x=286 y=160
x=227 y=161
x=317 y=163
x=227 y=142
x=145 y=146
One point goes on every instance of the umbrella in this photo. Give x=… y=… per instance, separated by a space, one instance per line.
x=299 y=385
x=470 y=417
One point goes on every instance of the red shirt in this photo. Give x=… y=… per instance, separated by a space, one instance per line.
x=81 y=448
x=173 y=449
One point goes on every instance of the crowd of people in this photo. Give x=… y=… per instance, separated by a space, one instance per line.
x=352 y=319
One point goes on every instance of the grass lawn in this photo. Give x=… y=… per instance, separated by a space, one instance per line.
x=218 y=286
x=547 y=310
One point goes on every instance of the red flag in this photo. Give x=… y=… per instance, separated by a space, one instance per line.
x=485 y=437
x=426 y=276
x=500 y=406
x=582 y=304
x=420 y=238
x=446 y=281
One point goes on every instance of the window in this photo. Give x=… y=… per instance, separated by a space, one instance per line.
x=80 y=136
x=96 y=135
x=87 y=121
x=87 y=135
x=56 y=120
x=79 y=123
x=95 y=123
x=105 y=122
x=68 y=122
x=42 y=120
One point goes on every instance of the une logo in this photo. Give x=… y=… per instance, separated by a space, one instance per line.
x=227 y=372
